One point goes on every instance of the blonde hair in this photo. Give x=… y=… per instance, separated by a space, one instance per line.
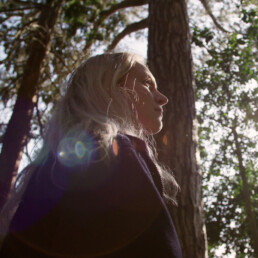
x=94 y=102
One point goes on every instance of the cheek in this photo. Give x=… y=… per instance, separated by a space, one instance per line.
x=143 y=97
x=140 y=103
x=143 y=109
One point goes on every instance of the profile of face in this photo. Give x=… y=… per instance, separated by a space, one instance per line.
x=147 y=100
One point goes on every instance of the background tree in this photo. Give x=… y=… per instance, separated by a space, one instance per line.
x=14 y=140
x=228 y=121
x=169 y=58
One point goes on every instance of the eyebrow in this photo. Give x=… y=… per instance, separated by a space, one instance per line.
x=148 y=77
x=151 y=79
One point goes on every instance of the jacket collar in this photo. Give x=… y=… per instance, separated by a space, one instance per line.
x=138 y=143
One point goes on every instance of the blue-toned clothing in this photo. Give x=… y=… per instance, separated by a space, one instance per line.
x=107 y=207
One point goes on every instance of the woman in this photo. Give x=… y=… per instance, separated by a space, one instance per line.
x=96 y=188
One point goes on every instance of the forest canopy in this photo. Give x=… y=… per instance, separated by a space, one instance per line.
x=43 y=41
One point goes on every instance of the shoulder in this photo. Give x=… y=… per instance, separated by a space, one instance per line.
x=132 y=142
x=123 y=141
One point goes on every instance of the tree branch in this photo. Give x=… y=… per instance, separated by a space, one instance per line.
x=16 y=9
x=208 y=10
x=26 y=152
x=251 y=220
x=106 y=13
x=127 y=3
x=17 y=40
x=61 y=59
x=128 y=30
x=28 y=3
x=41 y=127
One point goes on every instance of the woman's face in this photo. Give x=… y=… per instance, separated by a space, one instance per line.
x=147 y=101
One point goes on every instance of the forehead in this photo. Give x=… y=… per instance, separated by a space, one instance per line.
x=141 y=72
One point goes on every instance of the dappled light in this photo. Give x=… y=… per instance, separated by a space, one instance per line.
x=165 y=139
x=115 y=147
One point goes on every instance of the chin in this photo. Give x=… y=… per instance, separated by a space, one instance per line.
x=156 y=129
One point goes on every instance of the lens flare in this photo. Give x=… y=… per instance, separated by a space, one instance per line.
x=75 y=150
x=80 y=149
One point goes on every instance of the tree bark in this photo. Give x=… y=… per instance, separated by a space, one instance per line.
x=18 y=127
x=246 y=194
x=169 y=57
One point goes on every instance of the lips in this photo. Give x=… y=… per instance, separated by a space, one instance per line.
x=159 y=110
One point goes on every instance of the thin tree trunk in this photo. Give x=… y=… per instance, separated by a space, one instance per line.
x=18 y=128
x=169 y=57
x=246 y=193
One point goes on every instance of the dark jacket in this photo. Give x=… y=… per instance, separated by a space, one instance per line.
x=111 y=207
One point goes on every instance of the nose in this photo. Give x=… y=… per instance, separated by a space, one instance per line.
x=161 y=99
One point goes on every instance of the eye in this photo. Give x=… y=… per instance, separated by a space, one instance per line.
x=148 y=84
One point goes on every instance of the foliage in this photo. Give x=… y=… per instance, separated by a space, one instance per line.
x=226 y=102
x=225 y=65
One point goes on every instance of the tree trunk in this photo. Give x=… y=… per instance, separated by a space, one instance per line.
x=18 y=127
x=169 y=57
x=247 y=199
